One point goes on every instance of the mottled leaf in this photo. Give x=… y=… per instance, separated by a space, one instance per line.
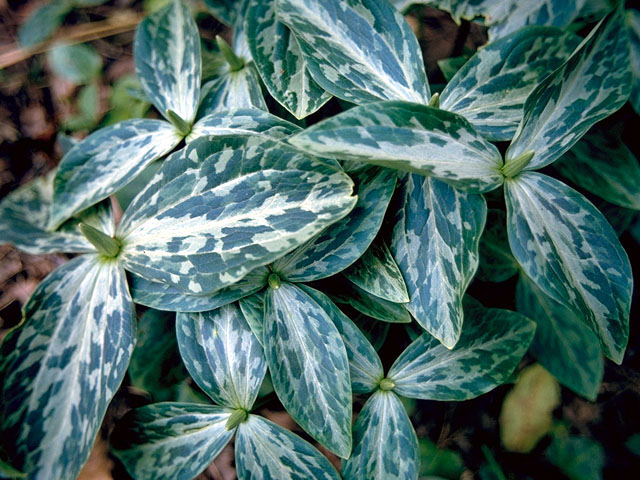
x=266 y=450
x=106 y=161
x=233 y=91
x=168 y=61
x=227 y=11
x=568 y=249
x=359 y=50
x=171 y=441
x=490 y=347
x=223 y=206
x=435 y=242
x=496 y=260
x=61 y=368
x=490 y=89
x=385 y=444
x=222 y=355
x=309 y=366
x=345 y=292
x=252 y=307
x=409 y=137
x=345 y=241
x=632 y=18
x=592 y=84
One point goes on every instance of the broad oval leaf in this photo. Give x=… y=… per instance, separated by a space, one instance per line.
x=280 y=62
x=572 y=254
x=490 y=89
x=168 y=60
x=309 y=366
x=61 y=368
x=365 y=367
x=385 y=444
x=163 y=296
x=490 y=347
x=266 y=450
x=106 y=161
x=409 y=137
x=592 y=84
x=222 y=355
x=345 y=241
x=563 y=344
x=232 y=91
x=223 y=206
x=359 y=50
x=435 y=242
x=171 y=441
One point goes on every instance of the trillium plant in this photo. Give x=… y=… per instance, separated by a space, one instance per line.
x=287 y=247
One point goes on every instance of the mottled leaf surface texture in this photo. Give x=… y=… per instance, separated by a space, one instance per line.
x=233 y=91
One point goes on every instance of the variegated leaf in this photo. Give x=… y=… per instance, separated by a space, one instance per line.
x=25 y=213
x=592 y=84
x=376 y=332
x=247 y=121
x=563 y=344
x=632 y=18
x=252 y=307
x=408 y=137
x=171 y=441
x=342 y=291
x=280 y=62
x=490 y=89
x=265 y=450
x=228 y=12
x=168 y=60
x=222 y=355
x=490 y=347
x=309 y=366
x=435 y=242
x=377 y=273
x=497 y=263
x=223 y=206
x=365 y=367
x=345 y=241
x=61 y=368
x=163 y=296
x=233 y=91
x=603 y=165
x=385 y=444
x=572 y=254
x=106 y=161
x=359 y=50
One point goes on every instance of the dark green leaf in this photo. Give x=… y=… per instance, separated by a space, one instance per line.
x=496 y=261
x=345 y=292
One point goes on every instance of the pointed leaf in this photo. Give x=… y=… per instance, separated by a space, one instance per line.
x=376 y=332
x=252 y=307
x=497 y=263
x=227 y=11
x=233 y=91
x=221 y=207
x=342 y=291
x=563 y=344
x=171 y=440
x=408 y=137
x=168 y=61
x=492 y=344
x=345 y=241
x=490 y=89
x=106 y=161
x=435 y=242
x=592 y=84
x=42 y=23
x=572 y=254
x=309 y=366
x=266 y=450
x=359 y=50
x=222 y=355
x=385 y=444
x=632 y=18
x=61 y=368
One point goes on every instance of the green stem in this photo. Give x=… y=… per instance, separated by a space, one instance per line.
x=513 y=167
x=235 y=63
x=177 y=121
x=107 y=246
x=435 y=101
x=238 y=416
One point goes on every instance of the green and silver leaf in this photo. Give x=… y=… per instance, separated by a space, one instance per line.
x=490 y=89
x=265 y=450
x=106 y=161
x=223 y=206
x=410 y=137
x=435 y=243
x=490 y=347
x=359 y=50
x=233 y=91
x=385 y=444
x=171 y=441
x=61 y=368
x=592 y=84
x=571 y=253
x=632 y=18
x=228 y=12
x=222 y=355
x=309 y=366
x=497 y=263
x=280 y=62
x=168 y=60
x=252 y=307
